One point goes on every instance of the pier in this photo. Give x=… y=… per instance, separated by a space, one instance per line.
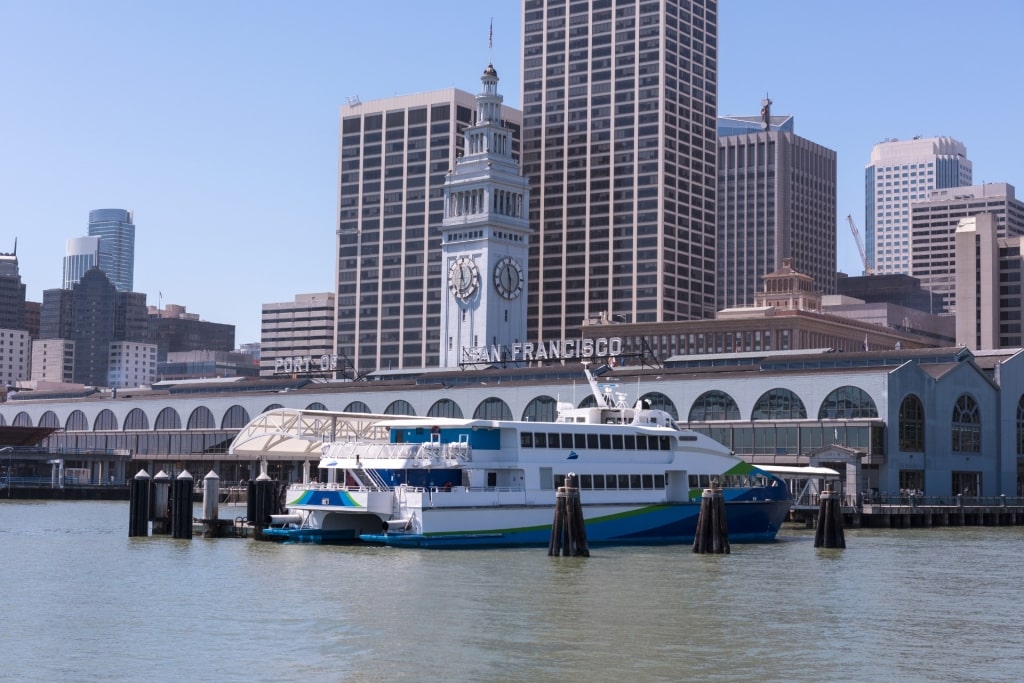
x=905 y=511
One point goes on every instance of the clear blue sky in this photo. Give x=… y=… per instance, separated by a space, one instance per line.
x=217 y=122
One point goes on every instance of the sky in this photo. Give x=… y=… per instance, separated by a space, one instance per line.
x=216 y=123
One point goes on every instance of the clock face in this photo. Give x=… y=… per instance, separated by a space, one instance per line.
x=508 y=278
x=463 y=278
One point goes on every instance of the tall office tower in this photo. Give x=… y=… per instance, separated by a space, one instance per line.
x=395 y=156
x=776 y=201
x=116 y=231
x=12 y=293
x=81 y=254
x=902 y=172
x=303 y=329
x=933 y=227
x=619 y=109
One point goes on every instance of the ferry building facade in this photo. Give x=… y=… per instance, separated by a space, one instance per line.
x=941 y=421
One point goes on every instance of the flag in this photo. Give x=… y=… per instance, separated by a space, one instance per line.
x=490 y=35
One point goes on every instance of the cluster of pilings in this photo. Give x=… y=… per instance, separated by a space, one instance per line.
x=568 y=530
x=169 y=505
x=712 y=534
x=828 y=533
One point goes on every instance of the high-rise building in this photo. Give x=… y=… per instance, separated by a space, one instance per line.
x=81 y=254
x=776 y=201
x=12 y=293
x=901 y=173
x=934 y=226
x=301 y=329
x=395 y=156
x=175 y=330
x=116 y=231
x=619 y=114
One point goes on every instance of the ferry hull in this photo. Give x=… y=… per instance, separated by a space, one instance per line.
x=748 y=522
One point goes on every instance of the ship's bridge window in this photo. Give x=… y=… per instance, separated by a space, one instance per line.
x=641 y=442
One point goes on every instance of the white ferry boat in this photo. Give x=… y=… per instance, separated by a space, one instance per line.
x=455 y=483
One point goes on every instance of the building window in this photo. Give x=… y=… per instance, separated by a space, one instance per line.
x=911 y=424
x=541 y=409
x=847 y=403
x=714 y=405
x=966 y=425
x=779 y=404
x=1020 y=426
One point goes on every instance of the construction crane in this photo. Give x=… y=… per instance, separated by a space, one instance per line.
x=860 y=245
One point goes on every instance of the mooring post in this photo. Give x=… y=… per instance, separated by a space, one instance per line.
x=829 y=532
x=138 y=505
x=712 y=534
x=568 y=528
x=211 y=503
x=260 y=505
x=182 y=493
x=161 y=503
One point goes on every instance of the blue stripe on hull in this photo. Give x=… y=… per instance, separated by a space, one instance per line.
x=749 y=522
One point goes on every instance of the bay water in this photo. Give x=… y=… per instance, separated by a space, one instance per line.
x=81 y=601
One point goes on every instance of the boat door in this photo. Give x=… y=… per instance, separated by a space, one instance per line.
x=677 y=488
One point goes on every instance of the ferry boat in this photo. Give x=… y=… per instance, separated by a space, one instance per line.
x=457 y=483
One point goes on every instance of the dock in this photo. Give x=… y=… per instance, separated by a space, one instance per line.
x=913 y=511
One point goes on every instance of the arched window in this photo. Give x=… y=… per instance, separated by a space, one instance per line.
x=1020 y=426
x=400 y=407
x=911 y=424
x=105 y=421
x=846 y=403
x=492 y=409
x=77 y=422
x=588 y=402
x=201 y=418
x=272 y=406
x=49 y=419
x=966 y=425
x=541 y=409
x=779 y=404
x=22 y=419
x=168 y=418
x=357 y=407
x=445 y=408
x=136 y=420
x=316 y=405
x=714 y=405
x=656 y=400
x=236 y=418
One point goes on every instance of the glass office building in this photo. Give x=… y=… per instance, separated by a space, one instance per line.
x=116 y=231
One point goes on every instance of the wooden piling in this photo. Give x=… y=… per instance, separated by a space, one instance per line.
x=182 y=492
x=829 y=531
x=138 y=504
x=568 y=530
x=712 y=526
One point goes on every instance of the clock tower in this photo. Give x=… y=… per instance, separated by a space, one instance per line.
x=484 y=242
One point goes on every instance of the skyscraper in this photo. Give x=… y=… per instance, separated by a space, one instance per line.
x=395 y=156
x=116 y=231
x=81 y=254
x=619 y=113
x=12 y=293
x=902 y=172
x=776 y=200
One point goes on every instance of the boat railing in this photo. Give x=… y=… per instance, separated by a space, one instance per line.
x=428 y=454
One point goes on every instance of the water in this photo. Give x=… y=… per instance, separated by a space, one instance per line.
x=83 y=602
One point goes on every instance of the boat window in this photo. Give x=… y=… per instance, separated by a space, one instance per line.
x=634 y=481
x=526 y=439
x=705 y=481
x=641 y=442
x=623 y=481
x=559 y=480
x=688 y=437
x=606 y=441
x=617 y=441
x=659 y=481
x=630 y=442
x=492 y=478
x=546 y=479
x=592 y=441
x=694 y=483
x=566 y=440
x=581 y=440
x=585 y=481
x=540 y=440
x=648 y=481
x=665 y=443
x=598 y=481
x=554 y=441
